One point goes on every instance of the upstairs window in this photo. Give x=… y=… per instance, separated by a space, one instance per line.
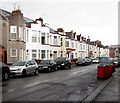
x=72 y=45
x=34 y=36
x=20 y=34
x=61 y=42
x=27 y=35
x=67 y=43
x=13 y=32
x=48 y=38
x=55 y=40
x=39 y=36
x=43 y=38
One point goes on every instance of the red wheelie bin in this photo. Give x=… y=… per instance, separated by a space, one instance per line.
x=105 y=69
x=108 y=71
x=100 y=72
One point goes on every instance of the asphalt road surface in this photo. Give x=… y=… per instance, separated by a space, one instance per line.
x=63 y=85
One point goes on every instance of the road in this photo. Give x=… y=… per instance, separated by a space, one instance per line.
x=63 y=85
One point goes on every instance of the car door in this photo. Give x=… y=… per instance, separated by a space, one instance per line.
x=33 y=66
x=68 y=62
x=28 y=67
x=53 y=64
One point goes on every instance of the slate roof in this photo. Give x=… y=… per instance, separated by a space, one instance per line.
x=6 y=14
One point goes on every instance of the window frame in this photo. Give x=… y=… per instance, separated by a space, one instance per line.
x=11 y=52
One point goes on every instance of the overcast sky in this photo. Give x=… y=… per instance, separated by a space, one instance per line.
x=95 y=18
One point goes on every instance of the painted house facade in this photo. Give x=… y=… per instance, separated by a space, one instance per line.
x=63 y=43
x=37 y=40
x=14 y=36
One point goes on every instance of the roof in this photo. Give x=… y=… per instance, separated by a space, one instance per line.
x=5 y=15
x=92 y=43
x=53 y=31
x=1 y=46
x=2 y=17
x=28 y=20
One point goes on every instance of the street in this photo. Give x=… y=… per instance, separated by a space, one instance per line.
x=63 y=85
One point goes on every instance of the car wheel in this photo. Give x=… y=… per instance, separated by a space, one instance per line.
x=69 y=67
x=49 y=69
x=66 y=67
x=6 y=76
x=36 y=72
x=23 y=73
x=55 y=68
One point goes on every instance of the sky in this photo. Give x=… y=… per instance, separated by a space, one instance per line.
x=97 y=19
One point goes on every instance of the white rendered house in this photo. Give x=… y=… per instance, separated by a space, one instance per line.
x=37 y=41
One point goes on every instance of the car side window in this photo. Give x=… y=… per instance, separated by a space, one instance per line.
x=32 y=63
x=51 y=62
x=54 y=62
x=67 y=59
x=28 y=63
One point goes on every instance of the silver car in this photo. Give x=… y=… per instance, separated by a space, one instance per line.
x=24 y=67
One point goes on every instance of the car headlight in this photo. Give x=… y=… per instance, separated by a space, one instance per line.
x=19 y=69
x=63 y=64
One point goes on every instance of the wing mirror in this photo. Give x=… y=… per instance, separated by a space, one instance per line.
x=27 y=65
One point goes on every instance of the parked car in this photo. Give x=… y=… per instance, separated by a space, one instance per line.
x=4 y=71
x=96 y=60
x=116 y=62
x=82 y=62
x=63 y=62
x=103 y=58
x=24 y=68
x=47 y=65
x=89 y=61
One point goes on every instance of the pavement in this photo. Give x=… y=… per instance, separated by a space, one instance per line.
x=110 y=93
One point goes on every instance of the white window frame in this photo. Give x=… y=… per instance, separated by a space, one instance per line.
x=13 y=30
x=67 y=44
x=55 y=40
x=39 y=36
x=27 y=35
x=20 y=37
x=43 y=35
x=34 y=36
x=43 y=54
x=11 y=53
x=21 y=54
x=34 y=53
x=48 y=38
x=39 y=54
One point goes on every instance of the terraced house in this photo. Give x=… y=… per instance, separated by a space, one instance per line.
x=37 y=40
x=14 y=35
x=24 y=38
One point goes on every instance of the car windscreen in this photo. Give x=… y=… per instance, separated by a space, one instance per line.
x=45 y=62
x=60 y=59
x=19 y=63
x=109 y=62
